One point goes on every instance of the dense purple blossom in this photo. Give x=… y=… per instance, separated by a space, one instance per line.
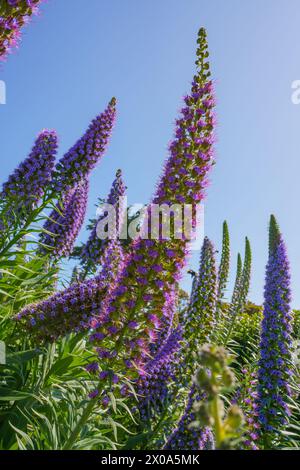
x=65 y=221
x=166 y=322
x=274 y=373
x=93 y=249
x=160 y=367
x=26 y=185
x=246 y=395
x=79 y=306
x=14 y=15
x=154 y=386
x=78 y=162
x=185 y=437
x=146 y=274
x=206 y=440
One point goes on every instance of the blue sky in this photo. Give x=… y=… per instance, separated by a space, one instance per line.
x=77 y=55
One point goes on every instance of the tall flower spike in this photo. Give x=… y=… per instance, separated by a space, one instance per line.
x=26 y=185
x=200 y=319
x=14 y=14
x=237 y=283
x=224 y=267
x=65 y=221
x=93 y=249
x=156 y=264
x=275 y=374
x=78 y=306
x=78 y=162
x=223 y=275
x=241 y=290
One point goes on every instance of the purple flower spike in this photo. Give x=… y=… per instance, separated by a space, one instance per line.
x=26 y=185
x=14 y=16
x=78 y=162
x=144 y=274
x=274 y=374
x=153 y=388
x=81 y=306
x=65 y=222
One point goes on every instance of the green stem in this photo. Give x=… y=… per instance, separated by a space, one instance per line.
x=217 y=422
x=30 y=219
x=84 y=417
x=215 y=409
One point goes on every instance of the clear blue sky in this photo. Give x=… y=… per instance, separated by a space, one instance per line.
x=77 y=55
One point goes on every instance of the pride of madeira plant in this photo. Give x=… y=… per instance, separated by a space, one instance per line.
x=119 y=357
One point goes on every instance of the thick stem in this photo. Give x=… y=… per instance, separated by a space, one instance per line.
x=215 y=409
x=84 y=417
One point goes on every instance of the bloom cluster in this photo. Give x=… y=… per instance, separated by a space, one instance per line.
x=65 y=221
x=26 y=185
x=77 y=307
x=274 y=373
x=14 y=14
x=206 y=440
x=249 y=407
x=78 y=162
x=154 y=387
x=93 y=249
x=185 y=437
x=155 y=265
x=167 y=319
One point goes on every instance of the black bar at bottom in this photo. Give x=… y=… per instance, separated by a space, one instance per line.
x=133 y=459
